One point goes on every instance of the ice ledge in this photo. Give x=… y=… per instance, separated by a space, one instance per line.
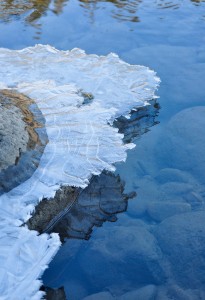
x=82 y=142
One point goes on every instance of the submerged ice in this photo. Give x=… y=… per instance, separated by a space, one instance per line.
x=82 y=143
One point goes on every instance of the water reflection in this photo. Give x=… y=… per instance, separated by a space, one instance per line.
x=54 y=294
x=168 y=4
x=122 y=10
x=33 y=9
x=139 y=122
x=99 y=202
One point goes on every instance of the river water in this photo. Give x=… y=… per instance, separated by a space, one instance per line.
x=156 y=248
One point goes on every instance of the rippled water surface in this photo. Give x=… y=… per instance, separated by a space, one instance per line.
x=156 y=248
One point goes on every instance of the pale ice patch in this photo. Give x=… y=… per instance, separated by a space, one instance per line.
x=82 y=142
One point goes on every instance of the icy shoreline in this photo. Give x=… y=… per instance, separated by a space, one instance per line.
x=82 y=142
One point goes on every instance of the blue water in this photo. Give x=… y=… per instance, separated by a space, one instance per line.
x=156 y=250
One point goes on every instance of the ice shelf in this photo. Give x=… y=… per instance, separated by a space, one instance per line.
x=82 y=143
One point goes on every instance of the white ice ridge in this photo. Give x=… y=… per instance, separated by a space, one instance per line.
x=82 y=143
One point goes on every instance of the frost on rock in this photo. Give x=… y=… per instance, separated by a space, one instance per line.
x=82 y=142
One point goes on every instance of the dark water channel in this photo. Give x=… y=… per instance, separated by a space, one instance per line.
x=156 y=249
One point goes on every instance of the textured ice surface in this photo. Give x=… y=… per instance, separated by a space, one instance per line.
x=82 y=142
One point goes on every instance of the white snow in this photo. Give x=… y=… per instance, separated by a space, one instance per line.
x=82 y=143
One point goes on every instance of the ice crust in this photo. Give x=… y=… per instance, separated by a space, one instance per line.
x=82 y=143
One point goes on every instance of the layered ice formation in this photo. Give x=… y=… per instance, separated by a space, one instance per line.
x=79 y=96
